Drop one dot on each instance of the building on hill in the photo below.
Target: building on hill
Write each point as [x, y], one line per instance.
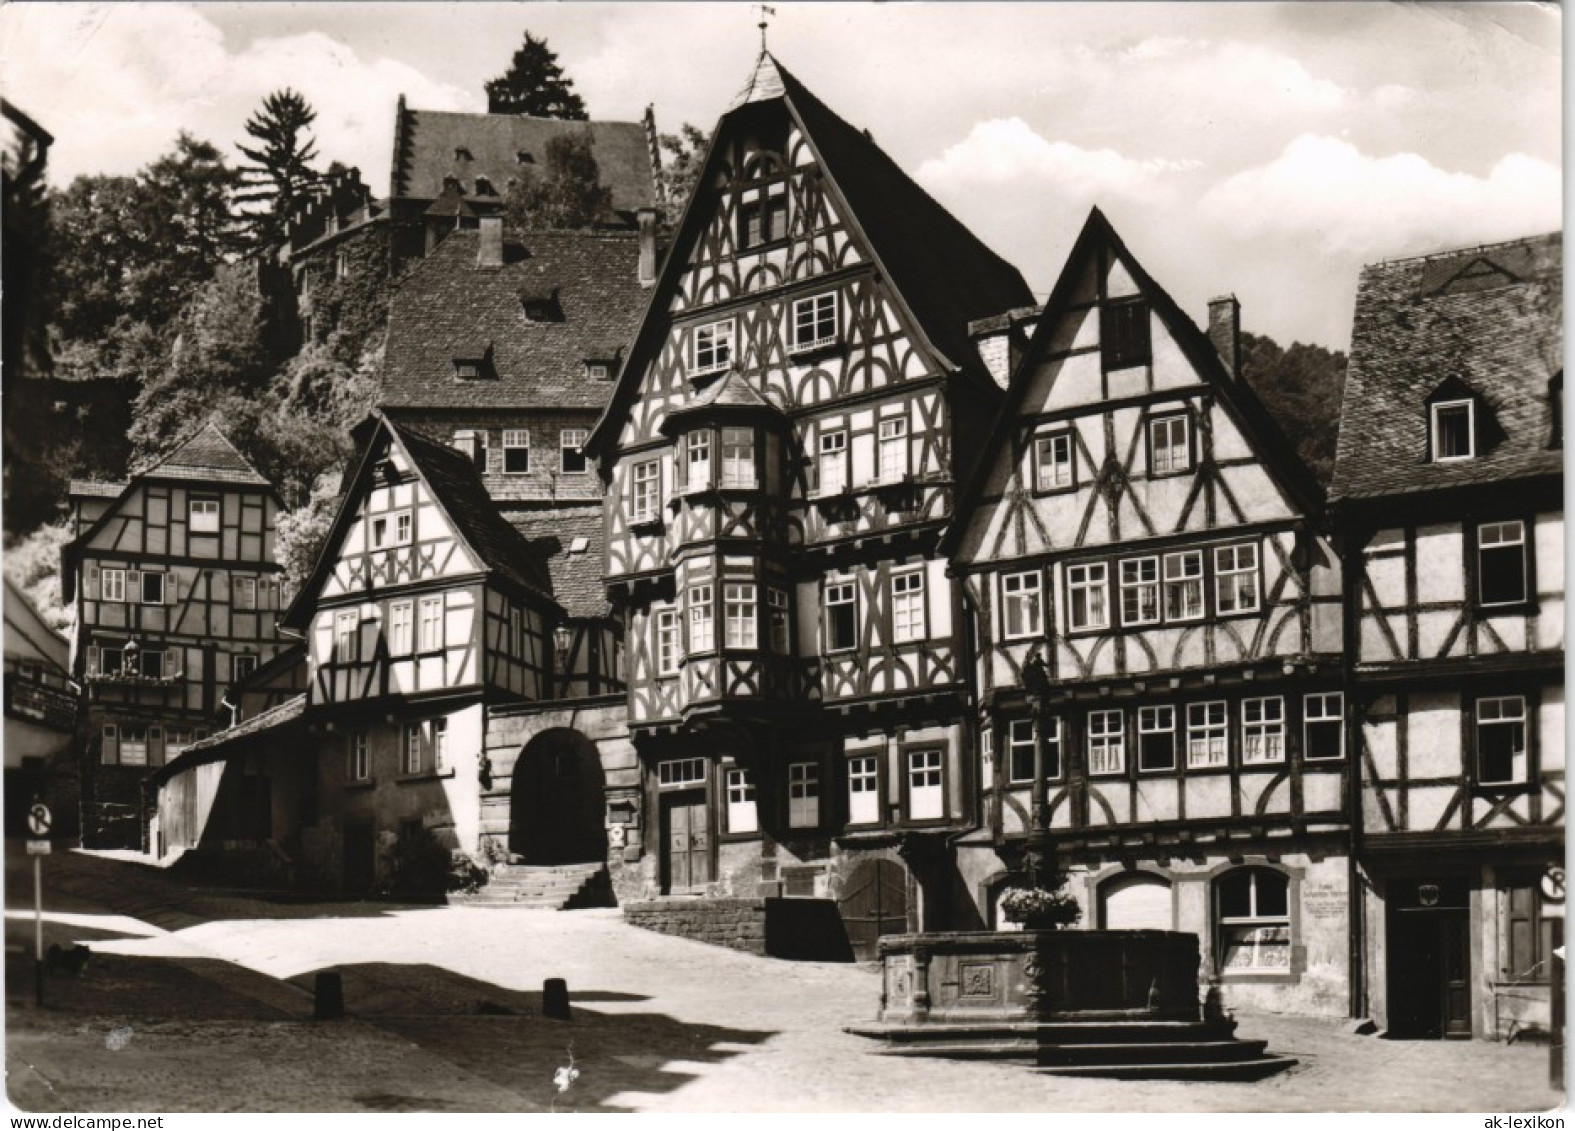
[781, 455]
[1448, 495]
[507, 347]
[175, 590]
[1158, 642]
[41, 720]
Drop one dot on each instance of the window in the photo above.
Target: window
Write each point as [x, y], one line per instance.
[713, 347]
[379, 537]
[152, 588]
[150, 663]
[833, 465]
[697, 460]
[1184, 585]
[111, 660]
[598, 370]
[133, 746]
[741, 814]
[1236, 579]
[175, 742]
[926, 796]
[647, 490]
[1262, 730]
[1454, 430]
[1107, 742]
[474, 444]
[666, 642]
[1020, 750]
[815, 321]
[111, 752]
[1207, 745]
[204, 516]
[243, 666]
[1169, 451]
[571, 460]
[781, 625]
[1123, 333]
[1156, 738]
[803, 795]
[1501, 562]
[439, 745]
[1021, 605]
[404, 527]
[113, 585]
[1054, 469]
[863, 790]
[738, 457]
[740, 614]
[893, 450]
[1323, 726]
[1085, 592]
[347, 634]
[763, 220]
[245, 592]
[1140, 591]
[430, 624]
[907, 607]
[516, 451]
[842, 616]
[681, 772]
[702, 624]
[399, 628]
[360, 761]
[470, 368]
[1254, 921]
[1501, 740]
[412, 764]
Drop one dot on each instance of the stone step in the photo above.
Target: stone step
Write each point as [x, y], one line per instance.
[1031, 1034]
[1158, 1052]
[1226, 1070]
[552, 887]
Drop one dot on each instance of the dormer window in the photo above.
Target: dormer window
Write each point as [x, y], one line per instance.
[484, 187]
[468, 369]
[1454, 430]
[540, 305]
[462, 154]
[524, 157]
[599, 370]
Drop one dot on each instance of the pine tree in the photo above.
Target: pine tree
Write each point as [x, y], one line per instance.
[281, 172]
[535, 85]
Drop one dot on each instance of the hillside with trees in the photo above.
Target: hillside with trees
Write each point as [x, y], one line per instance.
[1301, 386]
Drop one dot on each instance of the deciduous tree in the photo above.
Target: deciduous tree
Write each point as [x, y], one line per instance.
[569, 194]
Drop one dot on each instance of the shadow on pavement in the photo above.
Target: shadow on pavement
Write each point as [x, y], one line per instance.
[502, 1036]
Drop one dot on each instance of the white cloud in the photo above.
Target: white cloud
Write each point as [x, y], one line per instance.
[1007, 151]
[116, 83]
[1325, 190]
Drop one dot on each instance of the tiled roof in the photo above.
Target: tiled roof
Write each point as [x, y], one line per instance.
[1488, 317]
[432, 144]
[207, 454]
[448, 304]
[457, 486]
[576, 576]
[947, 276]
[95, 489]
[233, 740]
[733, 391]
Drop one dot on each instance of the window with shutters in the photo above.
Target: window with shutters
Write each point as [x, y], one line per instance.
[150, 663]
[741, 615]
[113, 585]
[1501, 564]
[133, 745]
[244, 592]
[1021, 605]
[1107, 742]
[152, 588]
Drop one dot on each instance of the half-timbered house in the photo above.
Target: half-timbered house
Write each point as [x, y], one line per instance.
[1448, 485]
[175, 590]
[781, 454]
[1158, 640]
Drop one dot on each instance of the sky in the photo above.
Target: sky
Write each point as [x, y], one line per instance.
[1262, 149]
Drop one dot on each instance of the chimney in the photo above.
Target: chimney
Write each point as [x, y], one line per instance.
[491, 250]
[1225, 332]
[647, 218]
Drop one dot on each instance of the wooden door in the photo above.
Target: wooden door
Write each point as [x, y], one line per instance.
[686, 843]
[1454, 948]
[874, 902]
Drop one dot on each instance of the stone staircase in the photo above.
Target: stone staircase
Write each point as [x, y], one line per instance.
[554, 887]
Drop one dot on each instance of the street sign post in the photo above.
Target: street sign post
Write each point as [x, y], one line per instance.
[39, 822]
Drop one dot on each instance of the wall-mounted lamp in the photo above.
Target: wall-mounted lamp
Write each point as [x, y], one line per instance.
[562, 637]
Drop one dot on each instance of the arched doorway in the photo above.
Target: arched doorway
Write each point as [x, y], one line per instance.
[1137, 901]
[557, 800]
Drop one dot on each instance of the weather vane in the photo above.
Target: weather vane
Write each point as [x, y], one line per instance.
[765, 13]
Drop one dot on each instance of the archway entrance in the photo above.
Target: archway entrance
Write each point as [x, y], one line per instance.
[557, 801]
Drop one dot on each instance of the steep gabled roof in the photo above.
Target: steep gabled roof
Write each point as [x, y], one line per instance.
[448, 303]
[1487, 318]
[457, 488]
[553, 536]
[206, 454]
[431, 145]
[940, 271]
[731, 394]
[1268, 441]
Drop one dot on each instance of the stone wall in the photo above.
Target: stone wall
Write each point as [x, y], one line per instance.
[736, 923]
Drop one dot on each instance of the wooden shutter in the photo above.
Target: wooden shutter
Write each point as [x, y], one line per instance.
[133, 586]
[1522, 932]
[90, 585]
[171, 663]
[92, 658]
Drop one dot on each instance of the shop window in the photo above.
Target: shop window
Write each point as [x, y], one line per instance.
[1253, 921]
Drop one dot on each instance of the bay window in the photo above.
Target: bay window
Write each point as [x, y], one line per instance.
[697, 461]
[738, 457]
[740, 614]
[702, 624]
